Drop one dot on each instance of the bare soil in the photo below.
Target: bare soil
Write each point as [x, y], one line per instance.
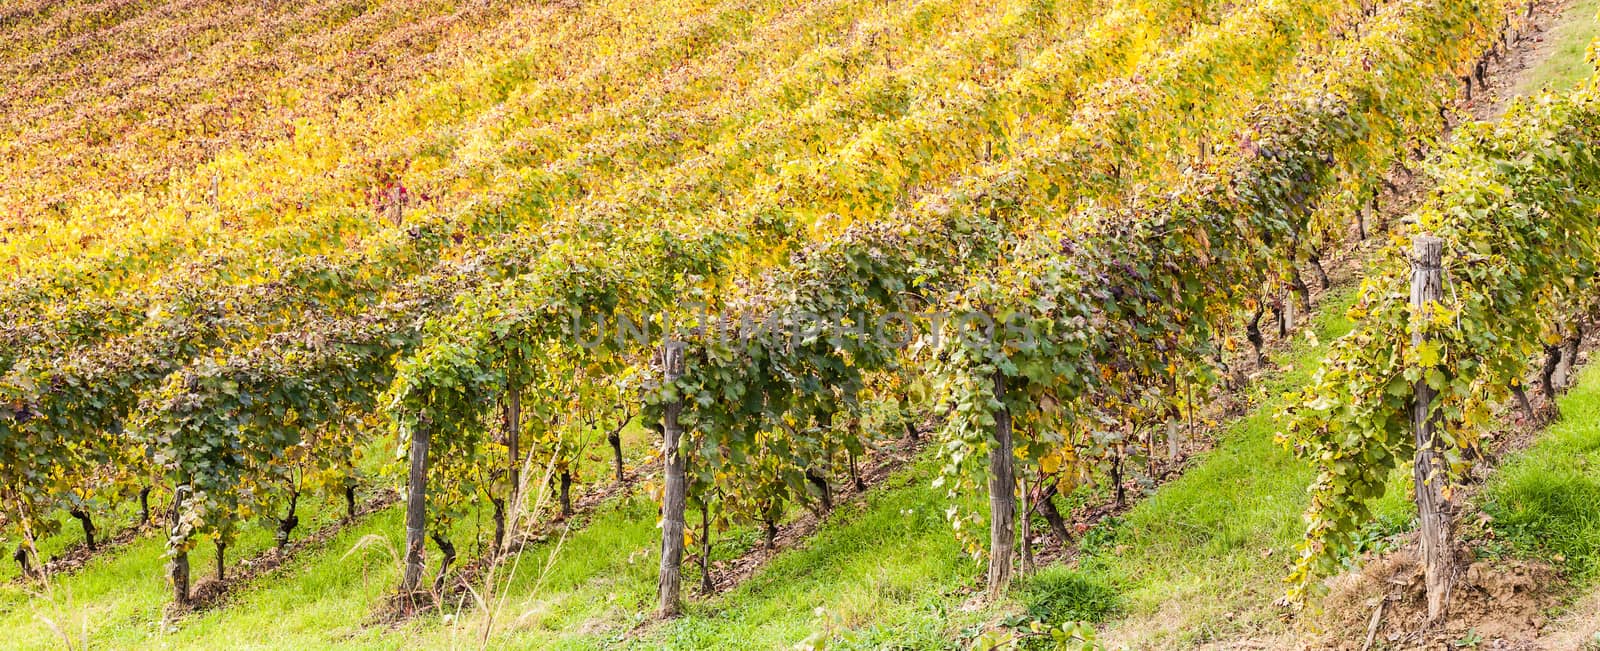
[1495, 605]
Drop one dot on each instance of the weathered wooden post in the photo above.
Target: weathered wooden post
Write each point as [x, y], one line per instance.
[1002, 497]
[178, 567]
[514, 439]
[674, 490]
[513, 425]
[1025, 526]
[1430, 472]
[416, 509]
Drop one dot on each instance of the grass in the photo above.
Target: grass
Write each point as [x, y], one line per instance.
[119, 592]
[121, 595]
[1059, 594]
[1196, 560]
[893, 575]
[1201, 559]
[1543, 500]
[1569, 41]
[883, 572]
[323, 598]
[65, 533]
[1204, 555]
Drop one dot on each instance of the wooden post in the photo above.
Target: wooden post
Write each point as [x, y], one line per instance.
[1430, 473]
[1002, 497]
[1174, 439]
[514, 455]
[221, 559]
[1025, 526]
[706, 587]
[1288, 314]
[178, 567]
[674, 490]
[416, 509]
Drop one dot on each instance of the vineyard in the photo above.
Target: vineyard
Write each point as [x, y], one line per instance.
[705, 324]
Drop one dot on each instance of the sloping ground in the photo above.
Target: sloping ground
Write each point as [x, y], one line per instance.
[882, 571]
[1579, 628]
[889, 573]
[1204, 558]
[885, 570]
[325, 595]
[1533, 534]
[1562, 54]
[1544, 506]
[895, 574]
[127, 629]
[1202, 555]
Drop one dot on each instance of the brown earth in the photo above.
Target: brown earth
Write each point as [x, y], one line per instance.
[1495, 605]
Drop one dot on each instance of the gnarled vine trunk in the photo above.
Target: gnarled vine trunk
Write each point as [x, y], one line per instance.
[1025, 527]
[1052, 516]
[1525, 404]
[448, 553]
[566, 493]
[84, 519]
[1302, 292]
[513, 441]
[1569, 356]
[1116, 478]
[1315, 257]
[21, 557]
[350, 499]
[499, 525]
[1252, 333]
[1547, 384]
[705, 548]
[144, 506]
[615, 440]
[825, 492]
[1280, 313]
[855, 474]
[287, 523]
